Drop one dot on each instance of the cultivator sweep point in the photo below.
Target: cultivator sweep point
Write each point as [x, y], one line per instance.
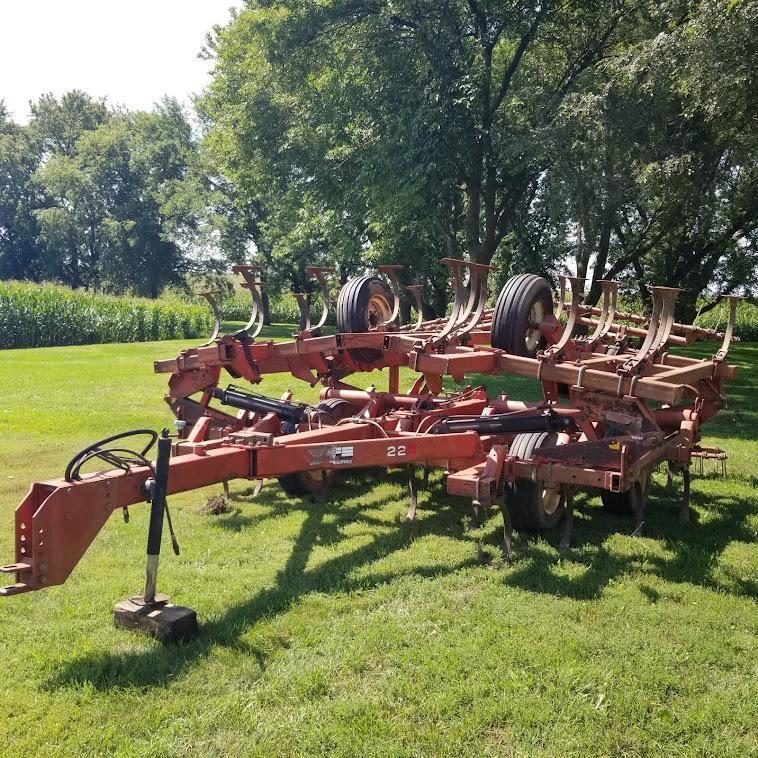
[616, 404]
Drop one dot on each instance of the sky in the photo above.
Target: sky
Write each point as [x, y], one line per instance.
[132, 52]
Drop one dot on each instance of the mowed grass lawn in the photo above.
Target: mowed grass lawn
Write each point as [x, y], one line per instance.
[341, 629]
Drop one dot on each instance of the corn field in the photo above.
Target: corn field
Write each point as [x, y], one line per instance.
[43, 315]
[283, 308]
[745, 327]
[234, 305]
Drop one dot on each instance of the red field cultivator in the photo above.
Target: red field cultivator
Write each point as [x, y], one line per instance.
[616, 404]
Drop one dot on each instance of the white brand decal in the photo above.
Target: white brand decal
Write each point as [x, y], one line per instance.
[338, 455]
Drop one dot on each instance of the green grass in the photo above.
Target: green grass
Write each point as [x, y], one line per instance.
[341, 629]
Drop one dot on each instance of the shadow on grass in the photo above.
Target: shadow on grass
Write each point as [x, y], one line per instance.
[738, 420]
[691, 551]
[161, 664]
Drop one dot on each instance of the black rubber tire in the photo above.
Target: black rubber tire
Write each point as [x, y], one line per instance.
[510, 319]
[300, 483]
[622, 503]
[525, 498]
[353, 314]
[334, 409]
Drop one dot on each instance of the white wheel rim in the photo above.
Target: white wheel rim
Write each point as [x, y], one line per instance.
[533, 335]
[378, 310]
[551, 500]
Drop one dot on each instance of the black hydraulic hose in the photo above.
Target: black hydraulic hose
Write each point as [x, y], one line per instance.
[118, 457]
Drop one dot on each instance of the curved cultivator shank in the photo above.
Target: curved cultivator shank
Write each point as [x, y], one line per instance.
[616, 404]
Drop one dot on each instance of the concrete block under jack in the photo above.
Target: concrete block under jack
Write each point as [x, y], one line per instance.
[161, 619]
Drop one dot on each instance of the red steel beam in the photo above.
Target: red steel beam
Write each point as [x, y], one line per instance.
[460, 450]
[57, 520]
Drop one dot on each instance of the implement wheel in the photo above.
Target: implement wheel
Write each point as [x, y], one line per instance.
[313, 482]
[623, 503]
[533, 508]
[522, 304]
[363, 303]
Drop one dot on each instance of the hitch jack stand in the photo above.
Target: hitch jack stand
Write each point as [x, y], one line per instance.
[152, 613]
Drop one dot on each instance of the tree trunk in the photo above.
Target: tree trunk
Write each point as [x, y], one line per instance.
[266, 307]
[473, 207]
[686, 306]
[601, 259]
[641, 283]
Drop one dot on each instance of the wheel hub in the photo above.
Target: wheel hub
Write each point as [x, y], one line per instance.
[551, 500]
[378, 310]
[533, 335]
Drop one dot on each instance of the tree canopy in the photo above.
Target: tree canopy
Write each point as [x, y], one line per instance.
[616, 139]
[526, 134]
[97, 198]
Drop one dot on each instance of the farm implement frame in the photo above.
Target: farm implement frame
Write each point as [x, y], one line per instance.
[616, 405]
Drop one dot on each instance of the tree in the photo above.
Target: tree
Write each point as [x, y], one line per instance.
[54, 129]
[58, 123]
[519, 133]
[659, 161]
[123, 207]
[19, 251]
[400, 131]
